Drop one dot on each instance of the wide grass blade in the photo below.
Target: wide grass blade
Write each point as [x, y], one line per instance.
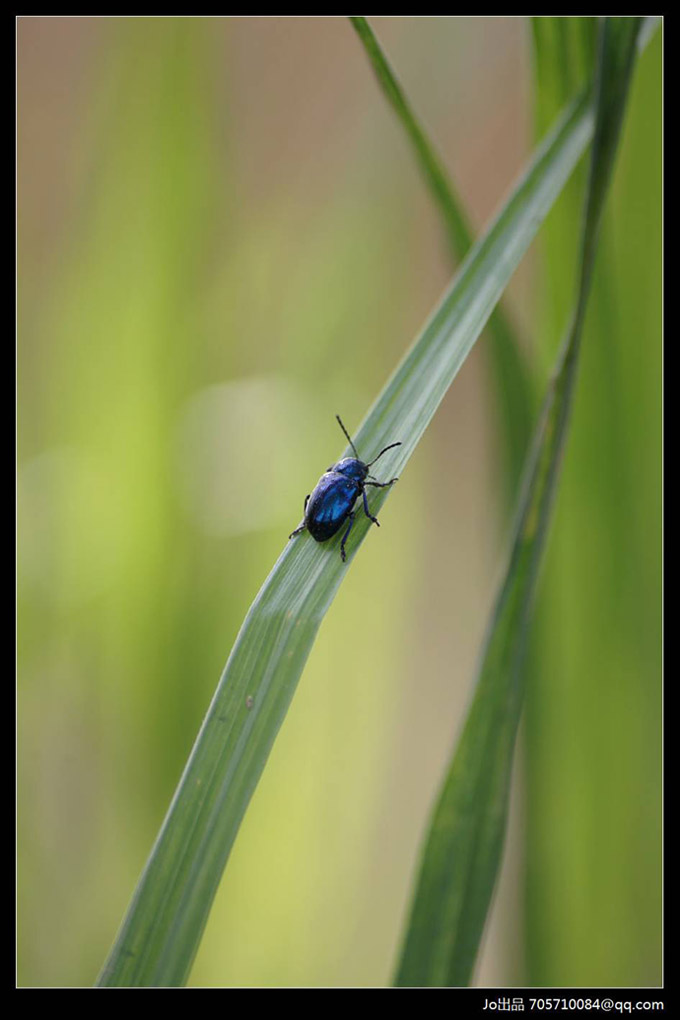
[463, 848]
[161, 932]
[590, 738]
[511, 377]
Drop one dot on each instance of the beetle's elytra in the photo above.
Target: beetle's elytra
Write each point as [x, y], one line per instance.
[332, 501]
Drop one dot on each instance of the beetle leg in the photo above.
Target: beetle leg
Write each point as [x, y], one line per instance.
[344, 537]
[367, 511]
[303, 525]
[382, 485]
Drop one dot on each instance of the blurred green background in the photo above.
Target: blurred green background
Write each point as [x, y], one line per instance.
[223, 241]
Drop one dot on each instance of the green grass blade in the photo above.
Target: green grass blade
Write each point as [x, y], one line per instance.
[564, 53]
[458, 230]
[161, 932]
[463, 849]
[511, 376]
[590, 739]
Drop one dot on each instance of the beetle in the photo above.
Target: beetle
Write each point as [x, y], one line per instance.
[332, 501]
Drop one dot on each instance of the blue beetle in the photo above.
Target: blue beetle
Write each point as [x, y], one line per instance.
[333, 499]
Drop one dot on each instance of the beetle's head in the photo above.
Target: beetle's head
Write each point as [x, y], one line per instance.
[352, 468]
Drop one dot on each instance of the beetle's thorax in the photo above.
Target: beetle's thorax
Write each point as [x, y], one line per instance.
[352, 468]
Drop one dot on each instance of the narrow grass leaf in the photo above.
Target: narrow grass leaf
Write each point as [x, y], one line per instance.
[458, 230]
[463, 848]
[160, 934]
[510, 373]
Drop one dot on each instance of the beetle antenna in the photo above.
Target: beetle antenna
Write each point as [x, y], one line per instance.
[348, 436]
[383, 451]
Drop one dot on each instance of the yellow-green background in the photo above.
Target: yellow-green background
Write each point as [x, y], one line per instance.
[223, 241]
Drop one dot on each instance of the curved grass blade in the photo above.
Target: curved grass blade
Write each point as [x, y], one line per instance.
[610, 495]
[160, 934]
[511, 377]
[463, 849]
[458, 231]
